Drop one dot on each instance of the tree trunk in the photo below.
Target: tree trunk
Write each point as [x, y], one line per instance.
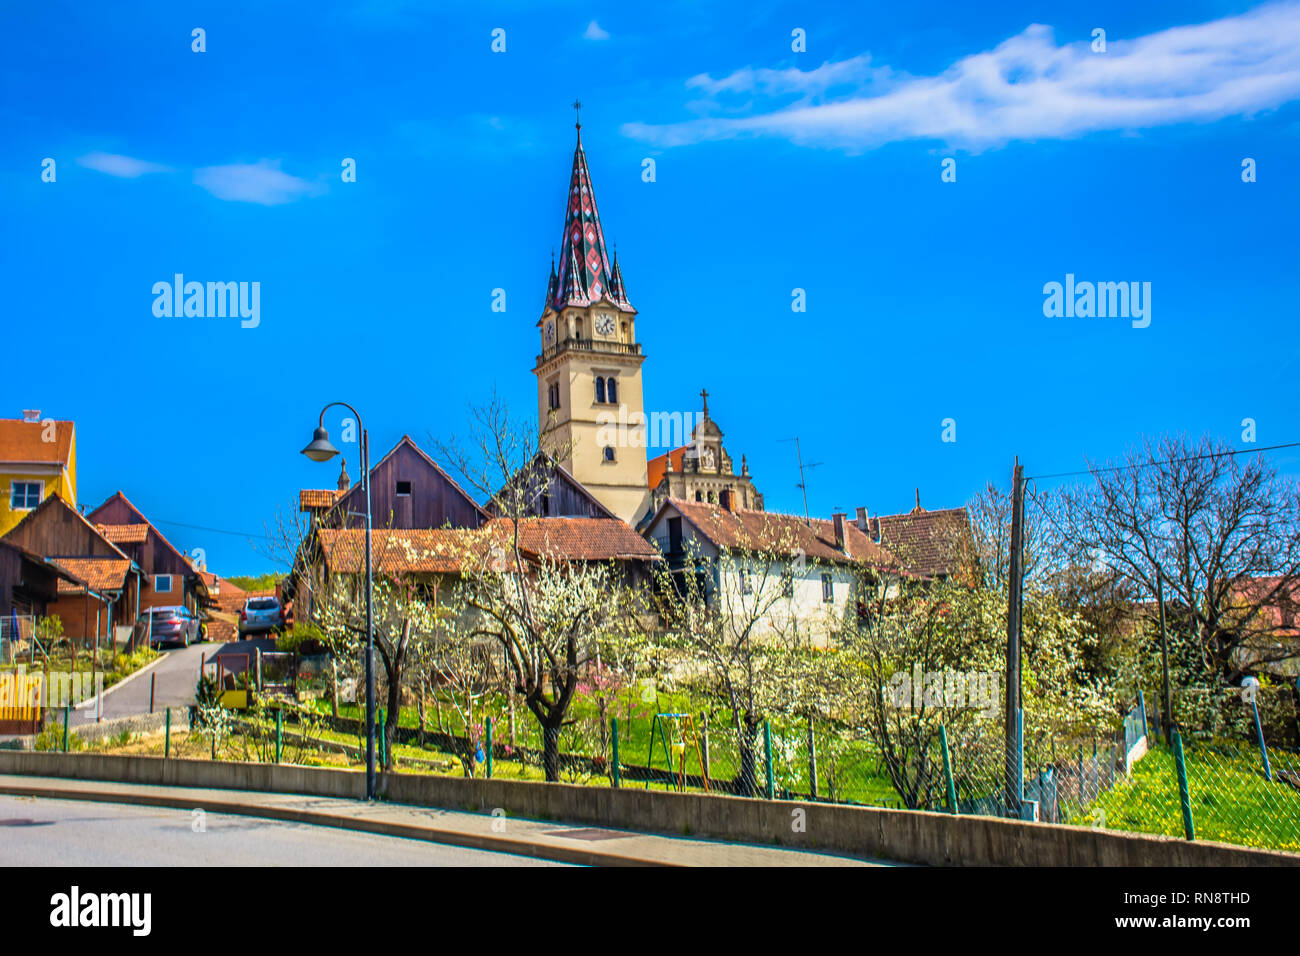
[334, 686]
[551, 752]
[747, 780]
[390, 721]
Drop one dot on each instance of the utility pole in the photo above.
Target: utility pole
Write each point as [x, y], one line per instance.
[1014, 728]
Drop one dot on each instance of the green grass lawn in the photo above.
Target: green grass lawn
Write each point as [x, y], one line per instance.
[849, 770]
[1231, 800]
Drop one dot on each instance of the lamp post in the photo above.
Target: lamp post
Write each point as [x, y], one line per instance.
[321, 449]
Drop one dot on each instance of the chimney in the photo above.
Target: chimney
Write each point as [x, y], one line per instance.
[841, 533]
[32, 415]
[862, 519]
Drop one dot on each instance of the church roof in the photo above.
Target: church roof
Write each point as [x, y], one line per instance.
[657, 467]
[587, 274]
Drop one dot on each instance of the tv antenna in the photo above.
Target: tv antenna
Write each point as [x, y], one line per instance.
[803, 480]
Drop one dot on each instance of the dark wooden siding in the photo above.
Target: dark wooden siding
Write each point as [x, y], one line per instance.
[434, 500]
[55, 530]
[563, 498]
[25, 586]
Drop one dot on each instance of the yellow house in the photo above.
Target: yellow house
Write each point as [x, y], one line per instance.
[38, 458]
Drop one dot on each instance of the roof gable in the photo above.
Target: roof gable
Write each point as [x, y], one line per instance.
[56, 529]
[405, 454]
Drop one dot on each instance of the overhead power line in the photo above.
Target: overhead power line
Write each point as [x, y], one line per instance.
[1167, 461]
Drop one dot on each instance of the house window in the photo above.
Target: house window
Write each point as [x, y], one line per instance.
[611, 391]
[828, 588]
[403, 489]
[745, 586]
[162, 583]
[699, 496]
[600, 389]
[787, 583]
[609, 452]
[553, 395]
[25, 495]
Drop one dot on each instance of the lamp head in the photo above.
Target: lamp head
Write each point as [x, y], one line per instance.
[320, 448]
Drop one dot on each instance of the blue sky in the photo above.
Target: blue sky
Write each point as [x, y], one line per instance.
[775, 170]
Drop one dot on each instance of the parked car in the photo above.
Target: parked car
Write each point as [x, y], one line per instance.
[174, 625]
[260, 615]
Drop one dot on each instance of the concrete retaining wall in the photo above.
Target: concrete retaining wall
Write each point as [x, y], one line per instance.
[910, 836]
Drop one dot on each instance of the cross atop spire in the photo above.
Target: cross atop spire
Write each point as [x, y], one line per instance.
[577, 114]
[704, 394]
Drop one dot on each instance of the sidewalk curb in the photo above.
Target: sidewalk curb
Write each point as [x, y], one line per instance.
[473, 841]
[122, 683]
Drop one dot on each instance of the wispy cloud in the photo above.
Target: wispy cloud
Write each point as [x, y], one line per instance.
[1025, 88]
[124, 167]
[261, 182]
[594, 32]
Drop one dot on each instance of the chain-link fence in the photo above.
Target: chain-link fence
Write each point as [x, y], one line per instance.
[1226, 768]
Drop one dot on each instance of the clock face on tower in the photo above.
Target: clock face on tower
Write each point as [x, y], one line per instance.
[605, 324]
[550, 332]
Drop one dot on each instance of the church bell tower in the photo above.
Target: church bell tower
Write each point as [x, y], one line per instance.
[589, 370]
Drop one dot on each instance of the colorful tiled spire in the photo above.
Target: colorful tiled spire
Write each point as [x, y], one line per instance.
[586, 271]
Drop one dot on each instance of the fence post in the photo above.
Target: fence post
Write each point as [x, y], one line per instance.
[704, 755]
[1189, 827]
[489, 747]
[383, 738]
[153, 679]
[1142, 703]
[767, 743]
[259, 670]
[613, 721]
[812, 758]
[167, 734]
[947, 769]
[1263, 749]
[279, 733]
[67, 713]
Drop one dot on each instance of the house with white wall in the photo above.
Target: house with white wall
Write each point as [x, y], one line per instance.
[800, 577]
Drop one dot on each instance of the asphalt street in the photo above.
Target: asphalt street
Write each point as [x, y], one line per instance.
[173, 679]
[37, 831]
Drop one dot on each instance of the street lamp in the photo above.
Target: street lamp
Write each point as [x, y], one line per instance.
[320, 449]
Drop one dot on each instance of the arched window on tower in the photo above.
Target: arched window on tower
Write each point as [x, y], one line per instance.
[600, 389]
[611, 390]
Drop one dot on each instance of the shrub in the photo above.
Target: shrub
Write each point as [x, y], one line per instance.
[304, 638]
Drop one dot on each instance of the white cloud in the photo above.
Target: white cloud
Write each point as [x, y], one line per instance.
[594, 32]
[261, 182]
[1025, 88]
[124, 167]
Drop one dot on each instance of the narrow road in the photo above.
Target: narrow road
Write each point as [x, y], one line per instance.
[44, 832]
[173, 679]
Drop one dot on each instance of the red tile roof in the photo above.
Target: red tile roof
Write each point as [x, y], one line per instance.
[450, 550]
[926, 542]
[578, 539]
[419, 551]
[310, 499]
[744, 530]
[24, 442]
[124, 533]
[101, 574]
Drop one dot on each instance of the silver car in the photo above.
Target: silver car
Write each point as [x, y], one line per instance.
[173, 625]
[260, 615]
